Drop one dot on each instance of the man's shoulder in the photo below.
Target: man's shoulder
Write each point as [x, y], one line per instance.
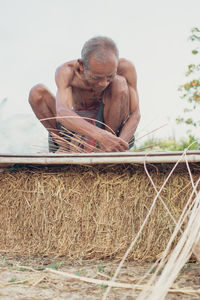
[67, 67]
[125, 65]
[127, 69]
[65, 72]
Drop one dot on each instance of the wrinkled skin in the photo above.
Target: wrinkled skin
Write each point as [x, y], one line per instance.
[113, 82]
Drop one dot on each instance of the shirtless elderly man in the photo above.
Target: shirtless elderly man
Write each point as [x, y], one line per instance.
[99, 82]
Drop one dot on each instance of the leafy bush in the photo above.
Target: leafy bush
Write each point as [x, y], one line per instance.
[170, 144]
[190, 90]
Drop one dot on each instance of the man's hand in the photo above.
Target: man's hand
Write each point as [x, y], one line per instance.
[111, 143]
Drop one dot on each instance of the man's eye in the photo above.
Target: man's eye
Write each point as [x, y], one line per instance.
[111, 76]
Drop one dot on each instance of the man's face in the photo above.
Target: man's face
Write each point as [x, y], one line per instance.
[99, 75]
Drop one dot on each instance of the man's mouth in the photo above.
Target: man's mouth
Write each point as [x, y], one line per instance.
[99, 88]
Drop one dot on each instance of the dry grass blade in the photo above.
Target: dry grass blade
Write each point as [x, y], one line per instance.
[67, 146]
[117, 284]
[158, 193]
[152, 131]
[80, 141]
[73, 142]
[95, 281]
[182, 251]
[141, 228]
[77, 117]
[69, 143]
[178, 257]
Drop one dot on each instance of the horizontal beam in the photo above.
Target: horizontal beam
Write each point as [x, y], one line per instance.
[99, 158]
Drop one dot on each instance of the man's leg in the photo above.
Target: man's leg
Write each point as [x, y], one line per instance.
[44, 106]
[116, 101]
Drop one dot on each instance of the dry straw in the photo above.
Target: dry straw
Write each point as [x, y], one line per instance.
[177, 259]
[158, 288]
[70, 141]
[100, 212]
[179, 256]
[90, 212]
[144, 223]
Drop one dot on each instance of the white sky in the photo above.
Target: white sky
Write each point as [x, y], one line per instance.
[38, 35]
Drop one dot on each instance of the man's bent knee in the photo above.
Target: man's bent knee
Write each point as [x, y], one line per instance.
[36, 93]
[119, 88]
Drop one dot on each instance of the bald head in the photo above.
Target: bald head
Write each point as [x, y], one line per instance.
[100, 48]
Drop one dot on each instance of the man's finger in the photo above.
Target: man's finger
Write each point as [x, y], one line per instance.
[121, 147]
[124, 146]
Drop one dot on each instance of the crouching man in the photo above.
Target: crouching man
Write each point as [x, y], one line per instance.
[96, 98]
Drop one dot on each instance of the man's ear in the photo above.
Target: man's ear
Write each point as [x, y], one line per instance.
[81, 66]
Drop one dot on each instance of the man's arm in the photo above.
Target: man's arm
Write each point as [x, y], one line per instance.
[73, 121]
[65, 114]
[127, 69]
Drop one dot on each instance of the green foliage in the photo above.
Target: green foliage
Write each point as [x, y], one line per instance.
[170, 144]
[55, 266]
[100, 268]
[3, 262]
[190, 91]
[13, 279]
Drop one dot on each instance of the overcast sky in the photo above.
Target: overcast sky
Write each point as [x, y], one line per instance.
[39, 35]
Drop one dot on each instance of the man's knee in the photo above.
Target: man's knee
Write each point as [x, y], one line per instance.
[120, 89]
[36, 94]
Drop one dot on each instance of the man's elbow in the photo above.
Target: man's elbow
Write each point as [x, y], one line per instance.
[59, 111]
[62, 111]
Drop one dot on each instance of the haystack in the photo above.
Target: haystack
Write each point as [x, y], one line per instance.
[84, 212]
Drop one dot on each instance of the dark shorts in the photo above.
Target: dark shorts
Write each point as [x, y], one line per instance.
[53, 146]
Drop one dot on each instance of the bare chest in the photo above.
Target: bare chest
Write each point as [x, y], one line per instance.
[85, 99]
